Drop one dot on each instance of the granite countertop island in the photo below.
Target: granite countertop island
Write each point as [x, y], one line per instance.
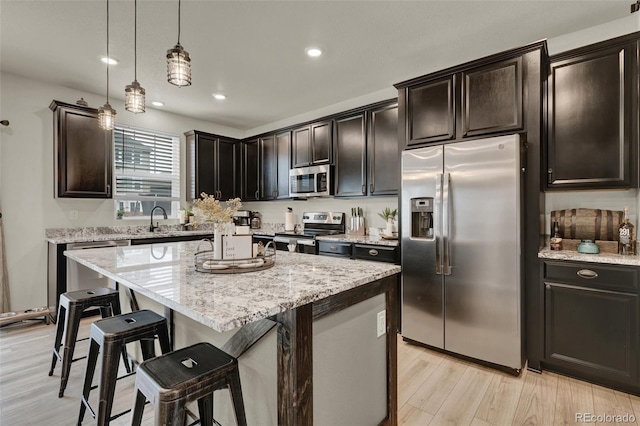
[166, 273]
[325, 362]
[608, 258]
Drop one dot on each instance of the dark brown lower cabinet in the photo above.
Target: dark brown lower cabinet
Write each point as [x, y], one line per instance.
[591, 323]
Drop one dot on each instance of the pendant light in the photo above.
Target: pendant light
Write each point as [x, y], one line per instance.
[106, 114]
[178, 62]
[134, 94]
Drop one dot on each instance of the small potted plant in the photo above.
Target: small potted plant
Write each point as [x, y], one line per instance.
[389, 215]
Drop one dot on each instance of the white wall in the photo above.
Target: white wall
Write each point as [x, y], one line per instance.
[606, 31]
[26, 177]
[381, 95]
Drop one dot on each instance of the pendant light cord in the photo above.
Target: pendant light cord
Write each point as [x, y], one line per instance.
[108, 57]
[135, 40]
[179, 7]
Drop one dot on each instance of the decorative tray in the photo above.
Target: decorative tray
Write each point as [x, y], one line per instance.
[205, 262]
[388, 237]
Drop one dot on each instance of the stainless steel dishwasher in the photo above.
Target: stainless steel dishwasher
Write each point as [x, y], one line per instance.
[79, 277]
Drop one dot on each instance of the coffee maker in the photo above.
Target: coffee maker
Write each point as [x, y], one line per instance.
[242, 218]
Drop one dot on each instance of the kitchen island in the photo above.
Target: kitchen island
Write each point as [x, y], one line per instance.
[323, 363]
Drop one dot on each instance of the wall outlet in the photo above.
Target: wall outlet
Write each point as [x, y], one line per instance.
[382, 323]
[73, 214]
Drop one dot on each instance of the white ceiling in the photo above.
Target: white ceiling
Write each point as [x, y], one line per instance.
[253, 51]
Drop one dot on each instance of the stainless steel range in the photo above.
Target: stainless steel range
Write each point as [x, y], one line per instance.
[315, 224]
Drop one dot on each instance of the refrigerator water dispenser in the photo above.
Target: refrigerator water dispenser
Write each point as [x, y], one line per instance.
[422, 217]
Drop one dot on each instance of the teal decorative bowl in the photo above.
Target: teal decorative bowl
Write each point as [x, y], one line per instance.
[588, 246]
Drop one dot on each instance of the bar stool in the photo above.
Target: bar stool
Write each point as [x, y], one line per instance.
[173, 380]
[70, 309]
[108, 337]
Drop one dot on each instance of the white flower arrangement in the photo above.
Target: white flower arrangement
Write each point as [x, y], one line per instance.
[208, 209]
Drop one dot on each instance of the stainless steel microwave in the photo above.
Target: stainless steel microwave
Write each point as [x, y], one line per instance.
[311, 181]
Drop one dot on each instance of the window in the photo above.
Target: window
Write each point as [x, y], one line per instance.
[147, 172]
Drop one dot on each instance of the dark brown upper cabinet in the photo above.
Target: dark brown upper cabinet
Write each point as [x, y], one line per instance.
[431, 111]
[321, 142]
[83, 153]
[250, 170]
[366, 151]
[312, 144]
[383, 150]
[480, 98]
[492, 98]
[351, 155]
[211, 166]
[593, 117]
[301, 147]
[269, 168]
[283, 145]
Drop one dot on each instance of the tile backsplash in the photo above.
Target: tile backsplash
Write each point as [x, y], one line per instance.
[604, 199]
[273, 211]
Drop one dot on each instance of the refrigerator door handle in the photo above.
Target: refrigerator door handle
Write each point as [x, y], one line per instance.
[437, 229]
[446, 223]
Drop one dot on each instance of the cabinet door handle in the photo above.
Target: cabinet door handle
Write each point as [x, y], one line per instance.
[257, 195]
[587, 273]
[550, 175]
[364, 189]
[108, 190]
[333, 248]
[371, 188]
[547, 286]
[373, 252]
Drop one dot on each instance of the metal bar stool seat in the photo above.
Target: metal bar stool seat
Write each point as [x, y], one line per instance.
[173, 380]
[72, 305]
[108, 337]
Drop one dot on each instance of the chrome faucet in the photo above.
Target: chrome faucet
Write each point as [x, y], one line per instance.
[153, 228]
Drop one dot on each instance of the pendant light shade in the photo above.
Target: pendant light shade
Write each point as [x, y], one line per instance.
[178, 62]
[134, 98]
[134, 94]
[106, 114]
[178, 66]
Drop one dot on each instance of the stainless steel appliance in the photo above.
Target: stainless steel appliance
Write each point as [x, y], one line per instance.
[315, 223]
[242, 218]
[461, 248]
[312, 181]
[256, 223]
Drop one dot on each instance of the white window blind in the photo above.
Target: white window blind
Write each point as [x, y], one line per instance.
[147, 171]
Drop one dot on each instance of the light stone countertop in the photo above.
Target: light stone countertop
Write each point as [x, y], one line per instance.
[166, 273]
[614, 259]
[359, 239]
[136, 232]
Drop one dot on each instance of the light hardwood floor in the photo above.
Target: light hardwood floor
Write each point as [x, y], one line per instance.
[434, 389]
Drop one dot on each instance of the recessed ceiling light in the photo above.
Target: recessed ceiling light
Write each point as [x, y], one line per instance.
[313, 52]
[110, 61]
[219, 96]
[157, 103]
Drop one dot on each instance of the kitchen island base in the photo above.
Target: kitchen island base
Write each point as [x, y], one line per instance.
[348, 377]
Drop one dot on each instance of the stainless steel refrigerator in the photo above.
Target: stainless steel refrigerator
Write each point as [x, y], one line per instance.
[461, 251]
